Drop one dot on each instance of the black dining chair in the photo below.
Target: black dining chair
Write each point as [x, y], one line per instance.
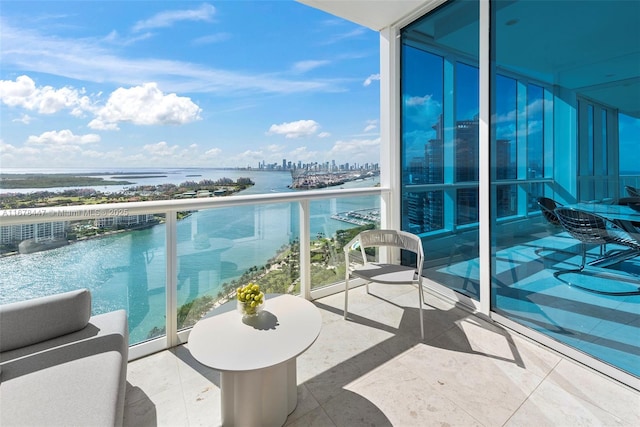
[548, 207]
[586, 227]
[632, 191]
[626, 201]
[633, 203]
[589, 228]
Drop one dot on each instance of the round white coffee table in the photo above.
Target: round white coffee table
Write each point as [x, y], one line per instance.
[256, 357]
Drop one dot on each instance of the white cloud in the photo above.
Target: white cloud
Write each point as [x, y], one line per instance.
[275, 148]
[100, 125]
[25, 119]
[51, 149]
[12, 150]
[115, 38]
[411, 101]
[371, 125]
[145, 105]
[514, 121]
[371, 79]
[414, 142]
[348, 35]
[46, 100]
[248, 158]
[422, 109]
[167, 154]
[92, 60]
[168, 18]
[251, 153]
[12, 155]
[324, 135]
[304, 155]
[295, 129]
[355, 150]
[304, 66]
[212, 38]
[161, 149]
[159, 154]
[63, 138]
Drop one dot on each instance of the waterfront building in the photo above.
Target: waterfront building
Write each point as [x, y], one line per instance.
[10, 234]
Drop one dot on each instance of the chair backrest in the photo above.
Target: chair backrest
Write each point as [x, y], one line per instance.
[388, 238]
[626, 201]
[584, 226]
[548, 207]
[632, 191]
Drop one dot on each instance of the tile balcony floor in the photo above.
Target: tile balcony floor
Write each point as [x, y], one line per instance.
[373, 370]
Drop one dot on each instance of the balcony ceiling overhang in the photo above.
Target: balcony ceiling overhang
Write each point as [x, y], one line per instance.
[373, 14]
[607, 74]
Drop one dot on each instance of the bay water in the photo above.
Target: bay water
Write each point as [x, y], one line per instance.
[128, 270]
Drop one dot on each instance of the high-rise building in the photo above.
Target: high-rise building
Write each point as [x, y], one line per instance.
[39, 231]
[466, 150]
[434, 155]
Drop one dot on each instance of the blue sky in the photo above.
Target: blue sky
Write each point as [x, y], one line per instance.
[184, 84]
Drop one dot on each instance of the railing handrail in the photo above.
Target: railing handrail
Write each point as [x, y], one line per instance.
[105, 210]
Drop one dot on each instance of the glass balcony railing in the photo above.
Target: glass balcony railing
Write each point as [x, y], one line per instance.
[168, 262]
[334, 222]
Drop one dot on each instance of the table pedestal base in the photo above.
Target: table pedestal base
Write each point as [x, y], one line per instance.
[262, 397]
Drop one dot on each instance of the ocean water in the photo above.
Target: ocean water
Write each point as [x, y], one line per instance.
[128, 270]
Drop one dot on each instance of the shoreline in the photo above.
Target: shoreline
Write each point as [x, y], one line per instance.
[93, 236]
[9, 181]
[91, 196]
[312, 181]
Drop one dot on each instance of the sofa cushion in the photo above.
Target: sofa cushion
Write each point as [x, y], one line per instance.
[77, 379]
[71, 391]
[28, 322]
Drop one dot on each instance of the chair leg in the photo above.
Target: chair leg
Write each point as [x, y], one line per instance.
[421, 315]
[583, 255]
[346, 294]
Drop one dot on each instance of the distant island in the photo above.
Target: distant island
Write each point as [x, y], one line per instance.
[37, 180]
[80, 196]
[140, 176]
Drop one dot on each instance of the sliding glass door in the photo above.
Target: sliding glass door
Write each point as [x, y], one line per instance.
[564, 126]
[558, 95]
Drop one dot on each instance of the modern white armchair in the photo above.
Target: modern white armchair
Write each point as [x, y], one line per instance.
[385, 273]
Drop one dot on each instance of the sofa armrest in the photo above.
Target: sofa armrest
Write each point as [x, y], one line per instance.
[28, 322]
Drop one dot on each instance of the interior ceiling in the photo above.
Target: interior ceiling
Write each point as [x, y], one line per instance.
[591, 47]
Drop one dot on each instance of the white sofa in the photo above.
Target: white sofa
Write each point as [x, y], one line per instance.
[59, 365]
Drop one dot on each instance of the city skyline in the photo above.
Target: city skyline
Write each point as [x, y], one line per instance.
[184, 84]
